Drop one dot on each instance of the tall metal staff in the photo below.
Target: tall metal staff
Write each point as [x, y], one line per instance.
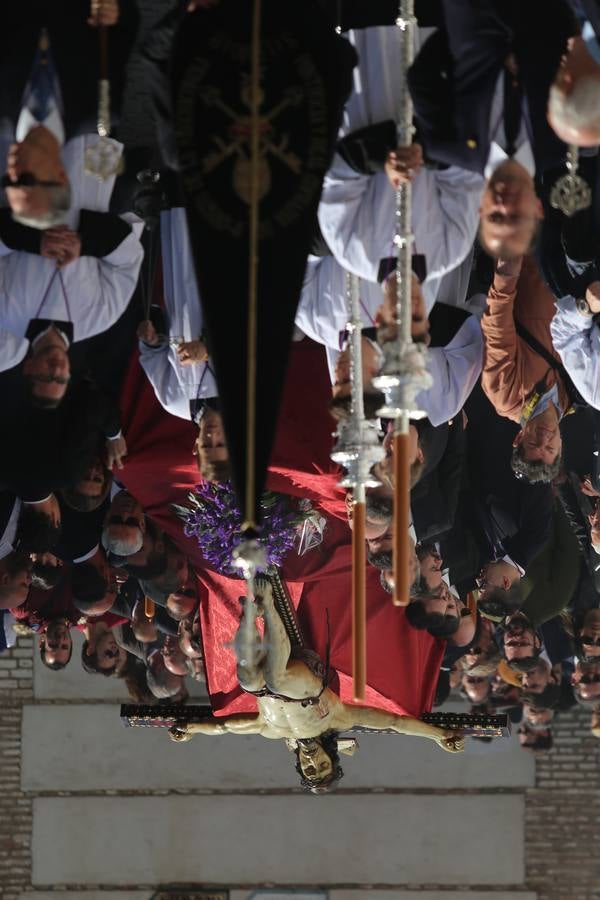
[404, 371]
[103, 159]
[357, 449]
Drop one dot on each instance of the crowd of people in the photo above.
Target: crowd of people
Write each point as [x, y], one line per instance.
[99, 298]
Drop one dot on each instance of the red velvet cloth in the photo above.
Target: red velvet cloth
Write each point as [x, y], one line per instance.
[403, 664]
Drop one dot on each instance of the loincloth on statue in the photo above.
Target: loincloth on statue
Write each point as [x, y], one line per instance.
[313, 661]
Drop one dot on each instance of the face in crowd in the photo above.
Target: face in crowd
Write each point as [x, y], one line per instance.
[210, 448]
[476, 687]
[594, 520]
[386, 313]
[540, 439]
[124, 526]
[15, 580]
[510, 212]
[574, 99]
[377, 517]
[536, 680]
[586, 681]
[431, 566]
[56, 644]
[520, 640]
[35, 170]
[589, 634]
[371, 364]
[109, 656]
[388, 573]
[47, 368]
[94, 479]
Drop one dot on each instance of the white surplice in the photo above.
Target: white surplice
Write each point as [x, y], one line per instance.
[175, 385]
[357, 212]
[97, 290]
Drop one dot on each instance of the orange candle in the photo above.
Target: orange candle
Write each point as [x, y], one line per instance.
[149, 607]
[400, 545]
[359, 603]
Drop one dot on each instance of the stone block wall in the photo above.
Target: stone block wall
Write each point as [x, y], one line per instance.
[16, 688]
[562, 810]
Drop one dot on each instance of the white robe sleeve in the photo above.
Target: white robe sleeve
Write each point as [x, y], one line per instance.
[322, 310]
[576, 339]
[357, 218]
[455, 369]
[348, 205]
[13, 349]
[109, 283]
[158, 365]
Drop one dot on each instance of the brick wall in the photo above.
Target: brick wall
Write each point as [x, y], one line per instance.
[563, 814]
[16, 688]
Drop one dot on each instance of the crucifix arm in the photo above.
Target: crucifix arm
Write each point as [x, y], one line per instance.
[241, 724]
[379, 720]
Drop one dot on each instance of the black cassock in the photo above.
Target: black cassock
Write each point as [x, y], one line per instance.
[305, 79]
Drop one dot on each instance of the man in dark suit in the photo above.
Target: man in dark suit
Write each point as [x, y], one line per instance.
[480, 89]
[71, 436]
[501, 523]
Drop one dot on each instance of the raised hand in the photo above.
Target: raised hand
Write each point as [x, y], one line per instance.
[61, 244]
[403, 164]
[146, 332]
[191, 352]
[116, 449]
[103, 12]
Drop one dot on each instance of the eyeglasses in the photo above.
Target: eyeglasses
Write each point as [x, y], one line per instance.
[589, 679]
[590, 642]
[27, 180]
[475, 679]
[131, 521]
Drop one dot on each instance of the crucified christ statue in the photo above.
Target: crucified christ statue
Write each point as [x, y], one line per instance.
[294, 702]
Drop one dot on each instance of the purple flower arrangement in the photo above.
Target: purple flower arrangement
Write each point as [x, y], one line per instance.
[216, 522]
